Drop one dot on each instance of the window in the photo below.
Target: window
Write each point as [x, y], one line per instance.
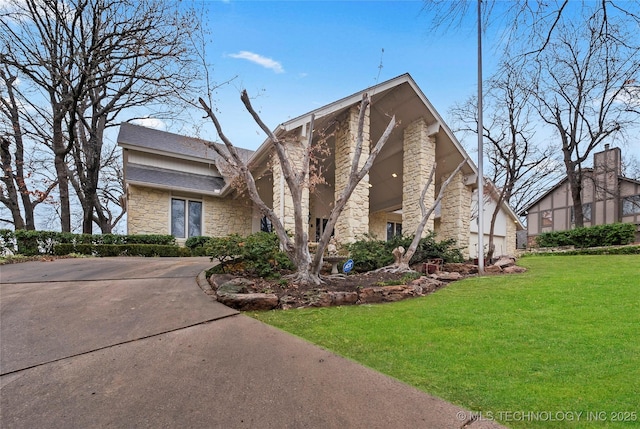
[321, 224]
[547, 218]
[186, 218]
[393, 229]
[631, 205]
[586, 213]
[266, 225]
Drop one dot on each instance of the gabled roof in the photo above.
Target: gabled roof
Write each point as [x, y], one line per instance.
[150, 140]
[399, 96]
[561, 182]
[173, 180]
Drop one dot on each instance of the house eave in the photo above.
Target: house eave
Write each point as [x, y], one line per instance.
[213, 193]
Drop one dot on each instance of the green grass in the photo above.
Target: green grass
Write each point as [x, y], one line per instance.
[562, 338]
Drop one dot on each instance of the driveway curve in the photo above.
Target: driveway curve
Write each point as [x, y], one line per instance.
[134, 342]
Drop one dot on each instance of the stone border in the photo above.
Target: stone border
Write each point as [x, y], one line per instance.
[231, 290]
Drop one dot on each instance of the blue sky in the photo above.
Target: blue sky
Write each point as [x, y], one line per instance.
[295, 56]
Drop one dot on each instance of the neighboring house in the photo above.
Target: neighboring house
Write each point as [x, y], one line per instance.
[607, 197]
[176, 184]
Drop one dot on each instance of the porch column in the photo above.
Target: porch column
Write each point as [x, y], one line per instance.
[455, 213]
[419, 154]
[282, 200]
[354, 220]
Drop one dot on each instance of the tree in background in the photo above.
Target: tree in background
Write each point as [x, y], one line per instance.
[582, 67]
[90, 60]
[25, 184]
[521, 164]
[579, 84]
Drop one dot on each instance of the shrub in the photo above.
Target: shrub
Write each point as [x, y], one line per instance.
[7, 242]
[262, 256]
[593, 236]
[197, 245]
[224, 249]
[196, 241]
[105, 250]
[259, 253]
[370, 254]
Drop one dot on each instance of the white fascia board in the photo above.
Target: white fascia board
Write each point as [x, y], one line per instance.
[173, 188]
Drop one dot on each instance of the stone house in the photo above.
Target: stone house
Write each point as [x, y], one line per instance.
[176, 185]
[607, 197]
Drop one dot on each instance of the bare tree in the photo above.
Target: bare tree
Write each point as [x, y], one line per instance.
[579, 87]
[519, 163]
[35, 46]
[297, 179]
[582, 63]
[19, 191]
[95, 59]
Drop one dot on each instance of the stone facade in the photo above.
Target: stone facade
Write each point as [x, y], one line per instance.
[148, 210]
[454, 213]
[511, 237]
[222, 217]
[418, 159]
[354, 220]
[282, 200]
[378, 225]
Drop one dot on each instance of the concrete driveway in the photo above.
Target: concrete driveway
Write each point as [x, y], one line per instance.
[134, 342]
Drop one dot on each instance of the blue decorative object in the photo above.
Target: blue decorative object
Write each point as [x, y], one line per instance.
[348, 266]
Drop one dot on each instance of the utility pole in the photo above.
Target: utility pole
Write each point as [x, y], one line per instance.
[480, 150]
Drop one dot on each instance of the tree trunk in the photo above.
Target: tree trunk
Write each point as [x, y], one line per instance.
[60, 153]
[11, 200]
[575, 185]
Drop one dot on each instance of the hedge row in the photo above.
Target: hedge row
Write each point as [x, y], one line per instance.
[594, 236]
[149, 250]
[32, 243]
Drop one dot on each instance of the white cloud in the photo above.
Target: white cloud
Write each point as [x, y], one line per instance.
[260, 60]
[154, 123]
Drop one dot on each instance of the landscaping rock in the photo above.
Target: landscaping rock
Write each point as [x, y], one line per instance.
[514, 269]
[249, 301]
[330, 299]
[504, 262]
[493, 269]
[237, 285]
[370, 295]
[446, 276]
[464, 269]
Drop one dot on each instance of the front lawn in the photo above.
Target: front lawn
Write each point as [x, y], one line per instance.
[556, 347]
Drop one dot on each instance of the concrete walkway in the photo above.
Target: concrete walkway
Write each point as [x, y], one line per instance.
[133, 342]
